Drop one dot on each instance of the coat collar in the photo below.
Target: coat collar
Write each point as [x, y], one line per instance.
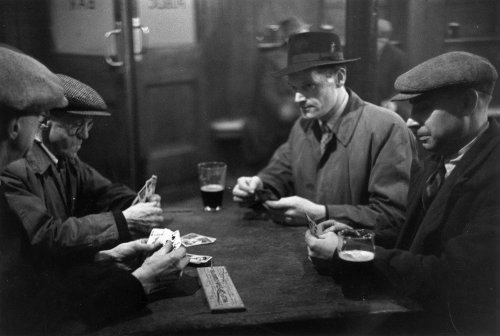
[40, 158]
[474, 157]
[347, 122]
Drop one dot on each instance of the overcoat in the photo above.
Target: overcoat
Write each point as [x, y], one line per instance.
[73, 221]
[364, 174]
[449, 257]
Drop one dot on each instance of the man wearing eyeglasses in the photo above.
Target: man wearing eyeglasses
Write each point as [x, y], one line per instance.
[66, 206]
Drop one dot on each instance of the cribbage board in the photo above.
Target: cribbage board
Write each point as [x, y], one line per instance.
[219, 289]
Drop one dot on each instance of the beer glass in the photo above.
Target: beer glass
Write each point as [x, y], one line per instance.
[212, 176]
[356, 252]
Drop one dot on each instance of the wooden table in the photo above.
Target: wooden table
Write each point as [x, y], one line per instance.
[268, 264]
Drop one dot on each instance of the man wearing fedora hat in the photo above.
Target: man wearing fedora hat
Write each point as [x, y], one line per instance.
[66, 205]
[345, 159]
[447, 254]
[38, 299]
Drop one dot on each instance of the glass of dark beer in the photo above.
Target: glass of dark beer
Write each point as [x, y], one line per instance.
[356, 252]
[212, 176]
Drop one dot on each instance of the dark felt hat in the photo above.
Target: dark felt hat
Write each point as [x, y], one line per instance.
[456, 68]
[26, 85]
[313, 49]
[82, 99]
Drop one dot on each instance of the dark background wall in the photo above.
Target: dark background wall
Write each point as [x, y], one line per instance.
[214, 79]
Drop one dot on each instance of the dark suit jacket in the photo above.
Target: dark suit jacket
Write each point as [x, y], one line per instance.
[449, 257]
[36, 297]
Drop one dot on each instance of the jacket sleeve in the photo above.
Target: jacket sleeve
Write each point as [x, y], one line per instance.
[392, 154]
[68, 238]
[463, 279]
[101, 294]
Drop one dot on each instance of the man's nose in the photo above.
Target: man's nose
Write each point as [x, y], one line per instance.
[411, 123]
[84, 132]
[299, 97]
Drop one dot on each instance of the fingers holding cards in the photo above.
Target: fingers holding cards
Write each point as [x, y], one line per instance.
[146, 191]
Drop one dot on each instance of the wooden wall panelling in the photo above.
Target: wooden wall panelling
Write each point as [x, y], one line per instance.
[361, 42]
[172, 123]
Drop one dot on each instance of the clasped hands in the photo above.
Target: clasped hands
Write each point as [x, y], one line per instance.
[292, 208]
[153, 265]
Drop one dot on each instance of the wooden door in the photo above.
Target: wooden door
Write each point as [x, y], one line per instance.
[162, 132]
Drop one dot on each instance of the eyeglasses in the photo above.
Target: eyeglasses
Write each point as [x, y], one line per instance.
[74, 128]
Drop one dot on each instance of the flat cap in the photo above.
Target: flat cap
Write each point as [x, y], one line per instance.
[82, 99]
[26, 85]
[456, 68]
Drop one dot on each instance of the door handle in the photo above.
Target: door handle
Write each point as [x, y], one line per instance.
[140, 40]
[111, 54]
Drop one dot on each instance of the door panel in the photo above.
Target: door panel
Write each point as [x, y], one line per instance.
[170, 136]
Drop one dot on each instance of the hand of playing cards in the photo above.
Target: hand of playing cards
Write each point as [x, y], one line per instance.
[163, 236]
[313, 226]
[190, 239]
[146, 191]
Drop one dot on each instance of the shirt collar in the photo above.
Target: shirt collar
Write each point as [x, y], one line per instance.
[453, 160]
[331, 123]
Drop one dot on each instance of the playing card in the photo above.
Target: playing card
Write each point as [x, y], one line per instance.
[156, 235]
[164, 235]
[192, 239]
[176, 239]
[263, 195]
[198, 259]
[147, 190]
[313, 227]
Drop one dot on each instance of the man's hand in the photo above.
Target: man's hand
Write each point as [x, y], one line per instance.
[244, 190]
[154, 198]
[161, 268]
[322, 247]
[332, 225]
[143, 216]
[294, 208]
[127, 256]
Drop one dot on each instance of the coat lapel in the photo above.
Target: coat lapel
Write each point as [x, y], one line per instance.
[432, 222]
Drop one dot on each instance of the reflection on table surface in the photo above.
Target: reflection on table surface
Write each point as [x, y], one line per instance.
[268, 265]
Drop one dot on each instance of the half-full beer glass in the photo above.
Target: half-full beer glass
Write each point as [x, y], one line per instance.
[212, 176]
[356, 252]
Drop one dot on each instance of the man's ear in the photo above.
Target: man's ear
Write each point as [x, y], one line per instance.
[13, 129]
[341, 76]
[471, 101]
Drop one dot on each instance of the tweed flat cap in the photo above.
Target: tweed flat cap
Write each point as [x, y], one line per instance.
[82, 99]
[26, 85]
[456, 68]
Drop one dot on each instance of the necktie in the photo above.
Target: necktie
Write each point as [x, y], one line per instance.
[433, 184]
[326, 136]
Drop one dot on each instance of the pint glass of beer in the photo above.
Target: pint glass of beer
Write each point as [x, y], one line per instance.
[212, 176]
[356, 252]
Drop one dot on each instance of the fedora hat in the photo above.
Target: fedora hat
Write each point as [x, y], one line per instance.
[313, 49]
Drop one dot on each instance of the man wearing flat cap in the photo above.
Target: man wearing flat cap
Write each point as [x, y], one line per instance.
[38, 299]
[345, 160]
[447, 255]
[65, 205]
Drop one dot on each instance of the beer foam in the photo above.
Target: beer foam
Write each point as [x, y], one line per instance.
[356, 255]
[212, 188]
